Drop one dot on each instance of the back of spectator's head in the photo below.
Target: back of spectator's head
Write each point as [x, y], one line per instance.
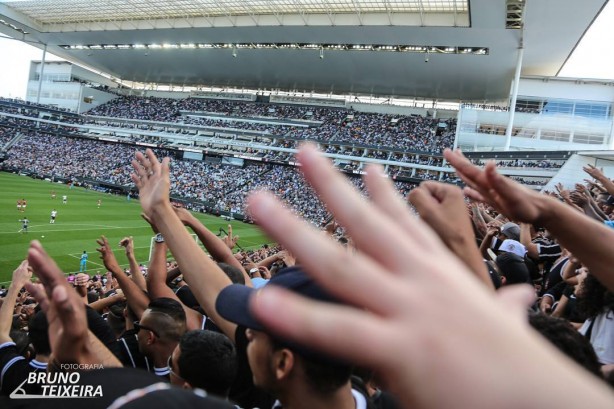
[166, 317]
[92, 296]
[205, 360]
[511, 231]
[116, 319]
[513, 268]
[22, 343]
[235, 275]
[38, 331]
[186, 296]
[568, 340]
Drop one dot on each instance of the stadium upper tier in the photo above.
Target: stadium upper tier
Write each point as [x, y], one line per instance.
[169, 124]
[408, 133]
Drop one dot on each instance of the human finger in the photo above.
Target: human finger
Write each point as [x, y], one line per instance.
[315, 250]
[71, 311]
[38, 292]
[376, 234]
[475, 195]
[152, 160]
[467, 171]
[341, 331]
[44, 267]
[139, 166]
[386, 199]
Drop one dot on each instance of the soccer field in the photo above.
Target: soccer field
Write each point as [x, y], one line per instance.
[79, 223]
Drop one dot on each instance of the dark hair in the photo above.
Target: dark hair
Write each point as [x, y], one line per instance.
[594, 298]
[92, 296]
[38, 331]
[173, 309]
[168, 306]
[323, 375]
[208, 360]
[116, 319]
[235, 275]
[568, 340]
[22, 342]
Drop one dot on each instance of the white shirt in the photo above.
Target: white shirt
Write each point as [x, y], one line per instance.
[54, 213]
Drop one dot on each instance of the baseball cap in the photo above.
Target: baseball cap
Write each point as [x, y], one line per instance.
[511, 231]
[513, 268]
[513, 246]
[233, 304]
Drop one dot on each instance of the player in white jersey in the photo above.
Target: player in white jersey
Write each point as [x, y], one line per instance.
[54, 213]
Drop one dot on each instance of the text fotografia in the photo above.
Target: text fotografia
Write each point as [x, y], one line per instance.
[57, 385]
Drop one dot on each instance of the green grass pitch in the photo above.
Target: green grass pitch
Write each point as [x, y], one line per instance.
[79, 223]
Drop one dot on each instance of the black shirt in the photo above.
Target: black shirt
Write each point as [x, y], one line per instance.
[14, 369]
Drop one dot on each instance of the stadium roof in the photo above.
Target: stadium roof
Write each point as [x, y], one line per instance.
[446, 50]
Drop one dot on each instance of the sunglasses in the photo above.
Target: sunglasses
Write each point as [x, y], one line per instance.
[138, 327]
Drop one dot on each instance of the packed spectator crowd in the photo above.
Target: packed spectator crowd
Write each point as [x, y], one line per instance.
[357, 315]
[523, 163]
[223, 187]
[413, 132]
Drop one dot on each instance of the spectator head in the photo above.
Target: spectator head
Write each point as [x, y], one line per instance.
[235, 275]
[278, 365]
[514, 247]
[38, 331]
[513, 269]
[161, 326]
[568, 340]
[186, 296]
[511, 231]
[205, 360]
[116, 318]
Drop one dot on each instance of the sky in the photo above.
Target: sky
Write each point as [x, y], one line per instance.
[593, 58]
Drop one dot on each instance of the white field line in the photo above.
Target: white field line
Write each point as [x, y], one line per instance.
[90, 227]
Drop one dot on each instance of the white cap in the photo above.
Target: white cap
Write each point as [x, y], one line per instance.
[513, 246]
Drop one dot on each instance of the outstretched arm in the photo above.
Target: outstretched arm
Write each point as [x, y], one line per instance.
[21, 276]
[404, 262]
[205, 278]
[572, 229]
[135, 297]
[156, 285]
[220, 249]
[69, 337]
[137, 274]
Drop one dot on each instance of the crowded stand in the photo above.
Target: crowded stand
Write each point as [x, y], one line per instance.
[413, 133]
[223, 187]
[526, 266]
[523, 163]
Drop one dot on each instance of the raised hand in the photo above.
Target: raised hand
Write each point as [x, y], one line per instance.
[443, 208]
[64, 309]
[184, 215]
[128, 244]
[593, 171]
[397, 319]
[152, 179]
[22, 275]
[507, 196]
[106, 254]
[230, 240]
